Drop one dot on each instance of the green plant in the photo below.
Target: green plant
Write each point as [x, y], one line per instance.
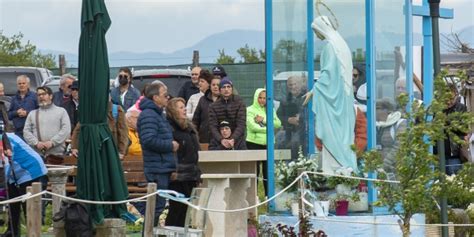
[345, 197]
[414, 163]
[305, 229]
[286, 173]
[460, 187]
[333, 181]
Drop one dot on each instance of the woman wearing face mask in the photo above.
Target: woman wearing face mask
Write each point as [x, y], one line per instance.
[125, 94]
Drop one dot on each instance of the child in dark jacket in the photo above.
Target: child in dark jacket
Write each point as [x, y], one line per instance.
[226, 133]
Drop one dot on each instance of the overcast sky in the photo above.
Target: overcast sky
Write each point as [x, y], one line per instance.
[169, 25]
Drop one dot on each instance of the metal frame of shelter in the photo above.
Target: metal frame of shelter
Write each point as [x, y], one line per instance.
[410, 11]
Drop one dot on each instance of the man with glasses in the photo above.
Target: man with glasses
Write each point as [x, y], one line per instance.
[190, 88]
[63, 95]
[156, 139]
[125, 94]
[359, 81]
[48, 127]
[22, 103]
[72, 105]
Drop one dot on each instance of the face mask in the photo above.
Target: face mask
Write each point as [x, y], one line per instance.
[123, 81]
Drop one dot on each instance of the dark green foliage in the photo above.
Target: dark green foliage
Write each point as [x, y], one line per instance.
[14, 53]
[416, 167]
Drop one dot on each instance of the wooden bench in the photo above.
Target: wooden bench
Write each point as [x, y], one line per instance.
[133, 172]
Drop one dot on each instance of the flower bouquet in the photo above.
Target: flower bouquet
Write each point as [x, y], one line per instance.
[343, 185]
[287, 172]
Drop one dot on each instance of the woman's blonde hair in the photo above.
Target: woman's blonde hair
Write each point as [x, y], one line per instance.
[172, 112]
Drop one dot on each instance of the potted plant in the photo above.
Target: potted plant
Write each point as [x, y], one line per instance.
[341, 184]
[341, 203]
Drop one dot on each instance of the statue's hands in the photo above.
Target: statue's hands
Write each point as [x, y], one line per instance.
[307, 97]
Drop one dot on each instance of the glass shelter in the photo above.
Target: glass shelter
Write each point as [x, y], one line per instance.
[379, 36]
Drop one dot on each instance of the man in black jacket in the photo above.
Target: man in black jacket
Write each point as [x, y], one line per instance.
[190, 87]
[230, 108]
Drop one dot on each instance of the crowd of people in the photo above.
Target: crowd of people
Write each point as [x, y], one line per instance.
[168, 132]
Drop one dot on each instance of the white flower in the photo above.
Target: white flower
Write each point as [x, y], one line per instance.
[470, 207]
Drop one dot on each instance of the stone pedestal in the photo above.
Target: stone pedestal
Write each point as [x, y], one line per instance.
[110, 228]
[238, 162]
[58, 179]
[113, 227]
[58, 229]
[230, 192]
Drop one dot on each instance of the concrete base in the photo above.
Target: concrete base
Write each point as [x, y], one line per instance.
[58, 229]
[111, 227]
[340, 229]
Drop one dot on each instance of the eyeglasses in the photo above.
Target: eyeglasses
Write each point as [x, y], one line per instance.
[41, 94]
[123, 76]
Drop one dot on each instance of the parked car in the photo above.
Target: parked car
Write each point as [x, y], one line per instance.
[173, 78]
[52, 82]
[8, 77]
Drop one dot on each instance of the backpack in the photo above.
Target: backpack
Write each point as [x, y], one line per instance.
[76, 219]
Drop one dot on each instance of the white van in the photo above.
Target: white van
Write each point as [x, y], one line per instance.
[37, 76]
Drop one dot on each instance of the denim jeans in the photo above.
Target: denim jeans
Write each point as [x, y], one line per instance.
[162, 181]
[453, 165]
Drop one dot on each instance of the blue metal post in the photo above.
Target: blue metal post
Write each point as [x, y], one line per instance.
[428, 86]
[310, 61]
[371, 80]
[409, 51]
[269, 87]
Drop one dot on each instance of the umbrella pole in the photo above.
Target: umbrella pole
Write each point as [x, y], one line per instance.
[434, 13]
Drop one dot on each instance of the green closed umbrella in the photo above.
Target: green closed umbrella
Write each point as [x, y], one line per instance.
[100, 175]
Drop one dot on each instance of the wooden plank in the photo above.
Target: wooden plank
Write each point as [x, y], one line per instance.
[135, 177]
[150, 211]
[33, 210]
[132, 165]
[70, 160]
[132, 158]
[204, 146]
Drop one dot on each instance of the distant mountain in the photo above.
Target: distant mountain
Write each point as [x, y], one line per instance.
[232, 40]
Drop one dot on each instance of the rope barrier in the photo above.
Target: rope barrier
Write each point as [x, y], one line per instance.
[180, 198]
[354, 177]
[111, 202]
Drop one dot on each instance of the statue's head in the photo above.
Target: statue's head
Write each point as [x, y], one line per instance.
[322, 27]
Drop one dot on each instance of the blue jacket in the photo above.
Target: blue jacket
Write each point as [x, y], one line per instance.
[131, 97]
[27, 164]
[156, 139]
[29, 103]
